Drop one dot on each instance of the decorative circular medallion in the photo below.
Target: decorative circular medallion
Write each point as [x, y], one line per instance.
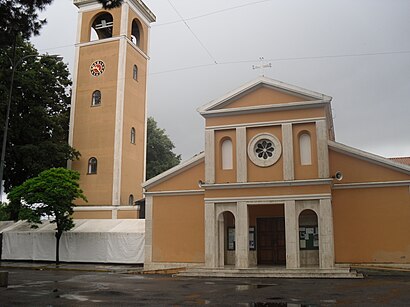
[97, 68]
[264, 149]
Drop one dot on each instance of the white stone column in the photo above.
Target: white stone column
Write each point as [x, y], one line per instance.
[221, 242]
[322, 149]
[327, 254]
[241, 158]
[209, 156]
[211, 250]
[292, 235]
[242, 236]
[148, 231]
[287, 144]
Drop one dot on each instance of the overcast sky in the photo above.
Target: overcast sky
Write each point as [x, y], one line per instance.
[358, 52]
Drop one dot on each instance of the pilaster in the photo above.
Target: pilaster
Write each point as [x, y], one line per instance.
[210, 156]
[287, 144]
[241, 159]
[292, 235]
[242, 236]
[322, 149]
[211, 256]
[148, 230]
[326, 238]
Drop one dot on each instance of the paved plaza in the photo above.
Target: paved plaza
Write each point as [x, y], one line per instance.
[83, 287]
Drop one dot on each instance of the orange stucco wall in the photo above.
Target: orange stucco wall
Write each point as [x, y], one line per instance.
[186, 180]
[372, 225]
[357, 170]
[94, 126]
[263, 95]
[178, 229]
[92, 215]
[265, 117]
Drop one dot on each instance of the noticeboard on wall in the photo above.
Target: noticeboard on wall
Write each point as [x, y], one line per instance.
[308, 238]
[231, 238]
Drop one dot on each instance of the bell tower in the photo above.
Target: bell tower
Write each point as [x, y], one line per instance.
[108, 108]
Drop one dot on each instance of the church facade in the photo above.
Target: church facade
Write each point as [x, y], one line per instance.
[273, 187]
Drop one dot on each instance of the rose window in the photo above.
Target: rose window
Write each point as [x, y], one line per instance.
[264, 149]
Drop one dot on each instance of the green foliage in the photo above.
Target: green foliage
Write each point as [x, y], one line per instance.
[39, 115]
[160, 156]
[20, 18]
[49, 195]
[4, 213]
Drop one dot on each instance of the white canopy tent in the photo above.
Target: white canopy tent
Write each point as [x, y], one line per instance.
[106, 241]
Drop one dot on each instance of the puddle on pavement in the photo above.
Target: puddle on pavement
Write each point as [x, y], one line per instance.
[251, 287]
[277, 304]
[79, 298]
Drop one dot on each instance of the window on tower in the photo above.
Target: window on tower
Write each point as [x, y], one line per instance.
[132, 135]
[136, 32]
[102, 26]
[92, 166]
[96, 98]
[135, 72]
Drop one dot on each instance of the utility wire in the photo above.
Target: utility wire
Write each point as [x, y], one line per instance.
[193, 33]
[285, 59]
[211, 13]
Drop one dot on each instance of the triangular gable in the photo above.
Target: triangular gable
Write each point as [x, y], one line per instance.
[263, 92]
[174, 171]
[366, 156]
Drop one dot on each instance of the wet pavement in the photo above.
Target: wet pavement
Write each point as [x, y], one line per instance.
[113, 287]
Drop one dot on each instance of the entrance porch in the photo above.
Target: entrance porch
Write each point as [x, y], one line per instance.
[269, 234]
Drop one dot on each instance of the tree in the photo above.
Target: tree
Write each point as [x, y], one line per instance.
[109, 4]
[39, 115]
[50, 194]
[159, 150]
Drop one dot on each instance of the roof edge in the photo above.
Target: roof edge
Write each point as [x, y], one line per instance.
[364, 155]
[195, 160]
[262, 80]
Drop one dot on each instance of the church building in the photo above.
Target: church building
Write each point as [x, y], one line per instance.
[274, 188]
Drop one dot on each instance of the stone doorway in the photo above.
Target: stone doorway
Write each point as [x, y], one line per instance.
[271, 246]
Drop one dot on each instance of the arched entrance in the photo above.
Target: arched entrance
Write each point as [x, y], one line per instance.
[308, 239]
[226, 239]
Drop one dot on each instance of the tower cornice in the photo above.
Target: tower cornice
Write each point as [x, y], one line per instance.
[138, 3]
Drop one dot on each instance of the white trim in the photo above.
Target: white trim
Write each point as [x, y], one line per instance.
[195, 160]
[210, 156]
[148, 231]
[369, 157]
[119, 118]
[256, 200]
[262, 81]
[142, 16]
[322, 149]
[265, 108]
[266, 184]
[241, 157]
[363, 185]
[266, 124]
[175, 192]
[91, 4]
[124, 19]
[87, 5]
[288, 161]
[105, 208]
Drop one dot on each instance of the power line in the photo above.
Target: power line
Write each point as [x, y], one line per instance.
[211, 13]
[196, 37]
[285, 59]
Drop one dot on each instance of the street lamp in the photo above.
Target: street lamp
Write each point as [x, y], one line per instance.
[14, 65]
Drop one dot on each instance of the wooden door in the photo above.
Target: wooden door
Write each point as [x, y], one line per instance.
[271, 248]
